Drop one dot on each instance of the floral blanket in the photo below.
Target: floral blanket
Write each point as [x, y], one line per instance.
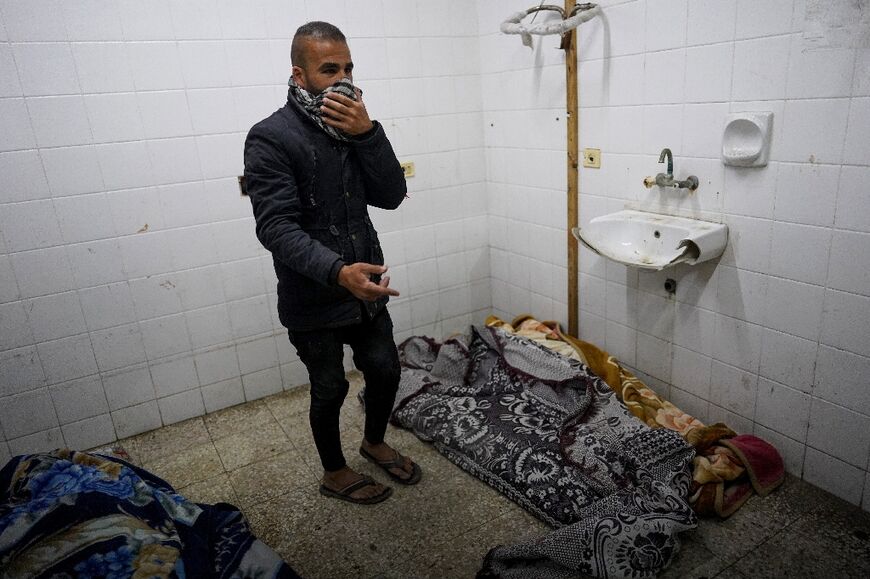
[552, 437]
[72, 514]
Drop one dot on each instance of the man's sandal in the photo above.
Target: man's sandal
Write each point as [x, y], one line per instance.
[345, 493]
[399, 463]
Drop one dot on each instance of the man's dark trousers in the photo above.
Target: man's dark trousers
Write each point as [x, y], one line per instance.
[374, 354]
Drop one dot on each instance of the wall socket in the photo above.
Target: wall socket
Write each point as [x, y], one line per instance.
[408, 168]
[592, 158]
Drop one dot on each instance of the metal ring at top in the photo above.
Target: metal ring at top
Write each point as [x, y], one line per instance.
[544, 7]
[580, 7]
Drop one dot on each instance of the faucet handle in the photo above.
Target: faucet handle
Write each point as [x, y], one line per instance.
[691, 183]
[648, 182]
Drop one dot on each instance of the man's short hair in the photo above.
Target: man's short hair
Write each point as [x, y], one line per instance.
[316, 30]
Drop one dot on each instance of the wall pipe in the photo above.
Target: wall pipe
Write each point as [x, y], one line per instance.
[572, 16]
[569, 44]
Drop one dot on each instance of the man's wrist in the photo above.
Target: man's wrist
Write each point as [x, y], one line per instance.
[367, 133]
[335, 272]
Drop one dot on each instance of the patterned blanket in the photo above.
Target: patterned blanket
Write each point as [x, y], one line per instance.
[553, 437]
[73, 514]
[727, 469]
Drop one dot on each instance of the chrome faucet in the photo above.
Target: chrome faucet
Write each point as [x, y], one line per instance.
[667, 179]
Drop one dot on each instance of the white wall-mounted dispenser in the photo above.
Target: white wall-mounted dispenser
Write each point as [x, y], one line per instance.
[746, 141]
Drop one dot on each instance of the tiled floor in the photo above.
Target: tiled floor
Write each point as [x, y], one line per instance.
[260, 457]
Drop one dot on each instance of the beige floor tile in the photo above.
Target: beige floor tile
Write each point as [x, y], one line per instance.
[298, 431]
[736, 536]
[370, 534]
[290, 403]
[310, 531]
[263, 459]
[693, 561]
[214, 490]
[352, 414]
[166, 441]
[465, 561]
[238, 419]
[791, 500]
[192, 465]
[426, 522]
[514, 526]
[463, 555]
[365, 537]
[238, 450]
[287, 519]
[268, 479]
[479, 488]
[839, 527]
[794, 554]
[357, 383]
[727, 573]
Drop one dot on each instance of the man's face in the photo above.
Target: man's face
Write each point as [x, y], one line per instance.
[326, 62]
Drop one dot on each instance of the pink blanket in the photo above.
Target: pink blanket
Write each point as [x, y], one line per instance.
[764, 471]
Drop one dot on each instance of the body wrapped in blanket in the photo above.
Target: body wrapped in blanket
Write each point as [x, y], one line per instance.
[554, 438]
[728, 469]
[74, 514]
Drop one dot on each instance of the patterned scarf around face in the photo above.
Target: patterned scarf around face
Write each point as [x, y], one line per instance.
[312, 103]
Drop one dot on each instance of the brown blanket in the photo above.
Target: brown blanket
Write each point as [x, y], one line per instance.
[724, 476]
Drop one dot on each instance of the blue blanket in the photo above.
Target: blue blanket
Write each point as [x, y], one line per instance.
[73, 514]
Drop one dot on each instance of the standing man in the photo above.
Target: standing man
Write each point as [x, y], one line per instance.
[311, 169]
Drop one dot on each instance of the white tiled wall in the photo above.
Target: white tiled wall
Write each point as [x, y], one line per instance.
[133, 292]
[773, 337]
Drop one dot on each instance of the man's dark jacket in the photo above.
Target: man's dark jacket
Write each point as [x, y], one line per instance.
[310, 194]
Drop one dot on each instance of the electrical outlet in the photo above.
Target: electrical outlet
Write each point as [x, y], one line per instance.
[592, 158]
[408, 168]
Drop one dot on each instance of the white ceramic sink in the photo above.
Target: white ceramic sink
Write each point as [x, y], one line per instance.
[652, 240]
